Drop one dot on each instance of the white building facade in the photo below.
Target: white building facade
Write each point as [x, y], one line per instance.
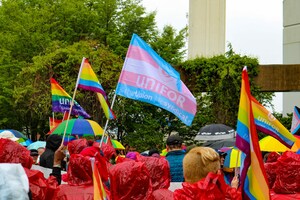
[291, 47]
[207, 23]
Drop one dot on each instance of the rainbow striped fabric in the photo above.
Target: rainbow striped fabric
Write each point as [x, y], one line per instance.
[89, 81]
[253, 178]
[268, 124]
[61, 101]
[54, 122]
[105, 106]
[99, 191]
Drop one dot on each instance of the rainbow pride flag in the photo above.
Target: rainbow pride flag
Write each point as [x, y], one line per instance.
[89, 81]
[61, 101]
[99, 191]
[105, 106]
[54, 122]
[268, 124]
[253, 178]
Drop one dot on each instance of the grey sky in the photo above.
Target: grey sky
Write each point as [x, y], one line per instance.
[253, 27]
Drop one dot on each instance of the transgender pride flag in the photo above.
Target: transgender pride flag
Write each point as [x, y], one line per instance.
[296, 121]
[148, 78]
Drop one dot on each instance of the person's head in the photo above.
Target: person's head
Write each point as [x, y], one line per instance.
[272, 157]
[76, 146]
[14, 182]
[265, 156]
[53, 142]
[95, 152]
[222, 157]
[13, 152]
[108, 151]
[131, 155]
[159, 171]
[34, 154]
[41, 150]
[80, 170]
[130, 180]
[132, 148]
[154, 153]
[127, 146]
[174, 142]
[198, 162]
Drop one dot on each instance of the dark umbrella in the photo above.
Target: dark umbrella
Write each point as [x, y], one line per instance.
[220, 143]
[215, 132]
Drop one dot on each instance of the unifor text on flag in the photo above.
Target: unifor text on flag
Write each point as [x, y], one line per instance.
[148, 78]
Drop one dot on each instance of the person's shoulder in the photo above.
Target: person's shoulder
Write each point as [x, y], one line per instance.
[176, 152]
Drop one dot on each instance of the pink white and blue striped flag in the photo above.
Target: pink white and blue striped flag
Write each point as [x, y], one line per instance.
[148, 78]
[295, 128]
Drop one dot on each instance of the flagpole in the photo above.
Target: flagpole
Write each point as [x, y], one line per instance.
[53, 119]
[236, 164]
[115, 95]
[107, 120]
[50, 123]
[72, 102]
[64, 117]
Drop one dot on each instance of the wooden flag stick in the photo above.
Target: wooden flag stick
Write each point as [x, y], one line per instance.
[106, 124]
[72, 102]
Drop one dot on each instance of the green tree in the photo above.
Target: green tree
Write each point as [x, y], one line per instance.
[33, 95]
[32, 30]
[286, 121]
[131, 18]
[44, 39]
[216, 82]
[170, 45]
[8, 117]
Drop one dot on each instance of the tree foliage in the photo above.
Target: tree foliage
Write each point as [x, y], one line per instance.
[43, 39]
[63, 64]
[216, 82]
[170, 45]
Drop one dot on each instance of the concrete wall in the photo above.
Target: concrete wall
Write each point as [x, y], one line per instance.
[291, 47]
[278, 78]
[206, 28]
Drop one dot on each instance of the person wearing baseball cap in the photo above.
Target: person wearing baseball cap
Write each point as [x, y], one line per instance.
[175, 156]
[227, 172]
[222, 157]
[34, 155]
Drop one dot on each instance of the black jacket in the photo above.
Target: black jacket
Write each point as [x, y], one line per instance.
[52, 144]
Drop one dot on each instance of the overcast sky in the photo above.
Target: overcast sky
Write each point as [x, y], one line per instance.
[253, 27]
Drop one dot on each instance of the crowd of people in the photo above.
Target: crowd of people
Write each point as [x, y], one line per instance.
[133, 176]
